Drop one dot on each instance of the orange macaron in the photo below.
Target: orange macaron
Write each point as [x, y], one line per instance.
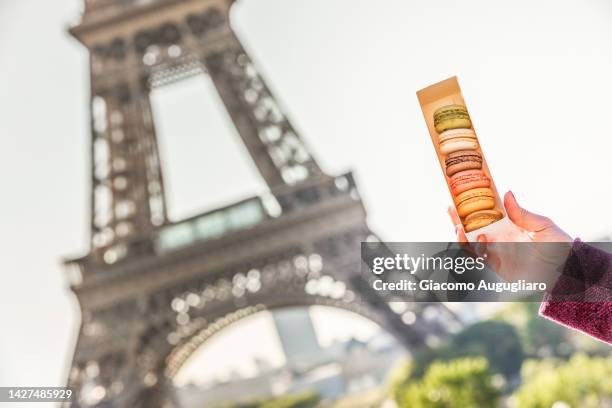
[474, 200]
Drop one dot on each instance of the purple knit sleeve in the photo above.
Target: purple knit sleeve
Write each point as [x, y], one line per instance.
[588, 274]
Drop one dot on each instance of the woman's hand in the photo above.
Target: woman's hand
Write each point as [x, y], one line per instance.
[516, 258]
[537, 227]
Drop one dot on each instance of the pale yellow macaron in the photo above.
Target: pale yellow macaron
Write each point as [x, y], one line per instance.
[454, 140]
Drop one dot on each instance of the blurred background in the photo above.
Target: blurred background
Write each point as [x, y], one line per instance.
[536, 77]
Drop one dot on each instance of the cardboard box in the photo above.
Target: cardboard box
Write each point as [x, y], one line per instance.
[445, 93]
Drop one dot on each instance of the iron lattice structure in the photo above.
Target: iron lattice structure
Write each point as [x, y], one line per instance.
[151, 291]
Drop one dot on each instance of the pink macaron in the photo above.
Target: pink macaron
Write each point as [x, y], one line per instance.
[467, 180]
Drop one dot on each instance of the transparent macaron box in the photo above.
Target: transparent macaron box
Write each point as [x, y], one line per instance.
[440, 95]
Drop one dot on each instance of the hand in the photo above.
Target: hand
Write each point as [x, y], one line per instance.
[513, 259]
[537, 227]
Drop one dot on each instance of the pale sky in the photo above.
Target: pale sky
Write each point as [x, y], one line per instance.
[535, 75]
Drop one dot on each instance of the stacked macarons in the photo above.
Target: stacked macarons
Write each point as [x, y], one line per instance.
[469, 185]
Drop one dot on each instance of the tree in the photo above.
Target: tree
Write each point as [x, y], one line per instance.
[460, 383]
[540, 337]
[584, 382]
[497, 341]
[303, 400]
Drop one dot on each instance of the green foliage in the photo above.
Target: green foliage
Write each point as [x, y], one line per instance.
[540, 336]
[372, 398]
[400, 378]
[584, 382]
[458, 383]
[304, 400]
[543, 335]
[497, 341]
[544, 338]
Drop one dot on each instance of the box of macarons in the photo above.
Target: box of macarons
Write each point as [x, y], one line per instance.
[463, 163]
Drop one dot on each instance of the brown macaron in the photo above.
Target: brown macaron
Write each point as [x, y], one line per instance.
[479, 219]
[463, 160]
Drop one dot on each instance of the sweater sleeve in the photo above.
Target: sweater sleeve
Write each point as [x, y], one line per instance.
[588, 274]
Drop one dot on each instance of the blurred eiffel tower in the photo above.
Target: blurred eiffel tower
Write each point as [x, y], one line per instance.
[152, 290]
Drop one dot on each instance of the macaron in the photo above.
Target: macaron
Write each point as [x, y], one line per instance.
[462, 160]
[451, 117]
[474, 200]
[467, 180]
[479, 219]
[457, 139]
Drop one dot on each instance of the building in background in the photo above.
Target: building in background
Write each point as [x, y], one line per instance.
[298, 338]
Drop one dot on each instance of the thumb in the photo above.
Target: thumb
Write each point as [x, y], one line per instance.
[522, 218]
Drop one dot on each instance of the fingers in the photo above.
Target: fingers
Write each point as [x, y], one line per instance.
[452, 213]
[481, 245]
[461, 237]
[523, 218]
[456, 220]
[488, 252]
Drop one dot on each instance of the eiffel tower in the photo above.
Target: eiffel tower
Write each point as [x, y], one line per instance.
[152, 290]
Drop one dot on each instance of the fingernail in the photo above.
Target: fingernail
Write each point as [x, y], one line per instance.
[512, 194]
